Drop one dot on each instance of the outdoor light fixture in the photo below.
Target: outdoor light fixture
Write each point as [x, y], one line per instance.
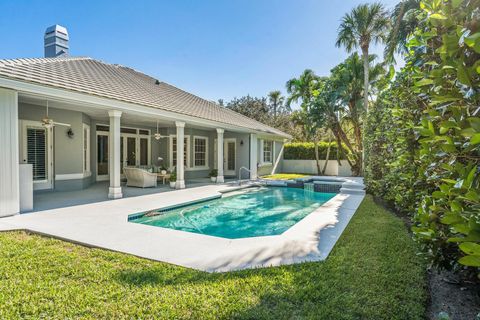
[70, 133]
[241, 142]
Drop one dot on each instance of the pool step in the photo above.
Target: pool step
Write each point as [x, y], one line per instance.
[352, 191]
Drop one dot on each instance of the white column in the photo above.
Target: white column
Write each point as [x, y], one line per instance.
[115, 190]
[253, 156]
[9, 165]
[180, 184]
[220, 178]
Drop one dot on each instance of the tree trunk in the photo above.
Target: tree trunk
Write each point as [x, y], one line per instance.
[315, 139]
[342, 137]
[328, 154]
[365, 99]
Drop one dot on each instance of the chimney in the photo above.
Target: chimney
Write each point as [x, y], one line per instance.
[56, 41]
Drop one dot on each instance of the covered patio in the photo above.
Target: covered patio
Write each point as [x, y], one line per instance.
[98, 192]
[73, 160]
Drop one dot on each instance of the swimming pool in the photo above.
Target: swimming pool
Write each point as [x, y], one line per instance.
[253, 212]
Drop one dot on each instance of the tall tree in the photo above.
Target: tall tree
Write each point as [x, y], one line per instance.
[366, 23]
[276, 102]
[252, 107]
[303, 90]
[405, 19]
[339, 105]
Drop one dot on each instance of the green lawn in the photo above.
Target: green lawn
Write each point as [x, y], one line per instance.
[284, 176]
[372, 273]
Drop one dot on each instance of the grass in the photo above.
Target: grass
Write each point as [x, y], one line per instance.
[372, 273]
[284, 176]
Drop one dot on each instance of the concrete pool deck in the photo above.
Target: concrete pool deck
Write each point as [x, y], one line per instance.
[105, 225]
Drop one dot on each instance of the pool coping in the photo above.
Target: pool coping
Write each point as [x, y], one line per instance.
[105, 225]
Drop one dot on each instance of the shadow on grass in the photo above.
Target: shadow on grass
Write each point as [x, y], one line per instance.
[161, 276]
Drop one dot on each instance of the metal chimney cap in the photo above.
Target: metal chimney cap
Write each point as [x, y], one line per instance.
[56, 28]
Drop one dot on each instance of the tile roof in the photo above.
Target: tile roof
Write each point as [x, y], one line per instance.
[86, 75]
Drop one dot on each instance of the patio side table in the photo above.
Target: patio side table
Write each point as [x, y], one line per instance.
[164, 177]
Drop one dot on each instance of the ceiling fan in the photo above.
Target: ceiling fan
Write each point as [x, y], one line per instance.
[49, 123]
[157, 135]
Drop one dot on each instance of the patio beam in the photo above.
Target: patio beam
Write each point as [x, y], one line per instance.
[180, 183]
[220, 178]
[115, 189]
[9, 164]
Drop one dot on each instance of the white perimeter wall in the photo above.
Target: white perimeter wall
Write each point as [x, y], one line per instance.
[310, 167]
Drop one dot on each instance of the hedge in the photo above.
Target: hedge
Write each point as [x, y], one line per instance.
[306, 151]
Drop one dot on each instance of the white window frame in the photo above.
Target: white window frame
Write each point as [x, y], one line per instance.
[86, 149]
[187, 156]
[206, 166]
[272, 151]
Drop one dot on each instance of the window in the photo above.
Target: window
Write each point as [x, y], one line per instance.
[173, 151]
[267, 151]
[86, 148]
[101, 127]
[128, 130]
[144, 132]
[200, 152]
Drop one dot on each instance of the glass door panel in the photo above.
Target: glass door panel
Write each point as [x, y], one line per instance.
[143, 151]
[102, 155]
[231, 156]
[123, 163]
[131, 151]
[37, 152]
[36, 149]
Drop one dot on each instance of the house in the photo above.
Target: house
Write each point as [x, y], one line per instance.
[77, 121]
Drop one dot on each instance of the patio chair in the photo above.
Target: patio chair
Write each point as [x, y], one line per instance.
[137, 177]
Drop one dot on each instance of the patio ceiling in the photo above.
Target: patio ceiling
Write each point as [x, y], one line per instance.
[98, 114]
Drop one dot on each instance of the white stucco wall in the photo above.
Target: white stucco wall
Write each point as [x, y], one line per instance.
[310, 167]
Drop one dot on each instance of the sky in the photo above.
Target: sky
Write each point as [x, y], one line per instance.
[215, 49]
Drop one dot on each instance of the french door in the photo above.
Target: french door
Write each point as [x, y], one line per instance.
[134, 151]
[128, 150]
[37, 150]
[229, 157]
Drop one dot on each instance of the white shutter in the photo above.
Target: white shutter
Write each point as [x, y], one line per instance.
[37, 152]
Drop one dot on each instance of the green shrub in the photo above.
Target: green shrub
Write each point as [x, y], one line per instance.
[306, 151]
[423, 136]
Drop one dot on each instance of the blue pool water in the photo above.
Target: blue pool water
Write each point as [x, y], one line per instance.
[254, 212]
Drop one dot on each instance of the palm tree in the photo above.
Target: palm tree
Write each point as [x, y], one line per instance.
[366, 23]
[339, 105]
[404, 15]
[348, 80]
[302, 90]
[276, 102]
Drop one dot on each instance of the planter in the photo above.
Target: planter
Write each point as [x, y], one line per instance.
[172, 184]
[213, 179]
[163, 172]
